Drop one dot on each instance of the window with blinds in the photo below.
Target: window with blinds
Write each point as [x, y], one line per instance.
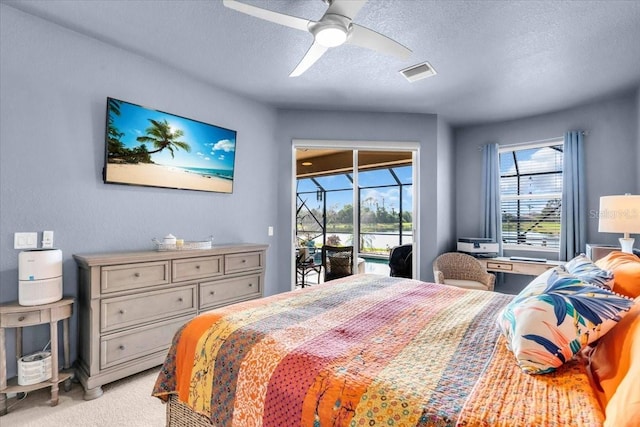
[531, 195]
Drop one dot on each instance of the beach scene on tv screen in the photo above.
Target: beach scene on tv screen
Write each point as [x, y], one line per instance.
[153, 148]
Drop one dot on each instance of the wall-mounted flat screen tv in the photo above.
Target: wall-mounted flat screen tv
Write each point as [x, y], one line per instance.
[157, 149]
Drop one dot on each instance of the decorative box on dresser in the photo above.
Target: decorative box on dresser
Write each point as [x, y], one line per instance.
[132, 303]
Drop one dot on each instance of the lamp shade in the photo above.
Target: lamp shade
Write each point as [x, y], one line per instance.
[619, 214]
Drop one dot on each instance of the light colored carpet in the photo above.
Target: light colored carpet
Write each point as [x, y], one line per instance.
[127, 402]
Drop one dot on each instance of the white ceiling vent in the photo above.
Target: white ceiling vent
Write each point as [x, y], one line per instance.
[418, 72]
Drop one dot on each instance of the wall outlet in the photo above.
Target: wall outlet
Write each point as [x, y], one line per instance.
[47, 239]
[25, 240]
[270, 230]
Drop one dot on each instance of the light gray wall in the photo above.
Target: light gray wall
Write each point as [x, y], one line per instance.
[336, 125]
[638, 140]
[54, 85]
[610, 155]
[445, 208]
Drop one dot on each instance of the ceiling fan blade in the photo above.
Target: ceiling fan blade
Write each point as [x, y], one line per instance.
[346, 8]
[268, 15]
[313, 54]
[365, 37]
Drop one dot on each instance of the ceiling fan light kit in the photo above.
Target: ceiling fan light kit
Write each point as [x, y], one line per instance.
[331, 36]
[332, 30]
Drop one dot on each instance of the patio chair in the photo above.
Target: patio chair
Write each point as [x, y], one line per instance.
[337, 261]
[400, 261]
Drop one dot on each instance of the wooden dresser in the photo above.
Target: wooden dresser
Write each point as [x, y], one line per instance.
[132, 303]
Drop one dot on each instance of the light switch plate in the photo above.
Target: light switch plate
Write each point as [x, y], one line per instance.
[25, 240]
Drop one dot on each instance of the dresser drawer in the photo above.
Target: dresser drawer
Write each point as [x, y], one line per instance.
[137, 343]
[196, 268]
[231, 290]
[132, 310]
[504, 266]
[236, 263]
[18, 320]
[115, 278]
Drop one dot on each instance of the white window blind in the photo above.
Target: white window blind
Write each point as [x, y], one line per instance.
[531, 195]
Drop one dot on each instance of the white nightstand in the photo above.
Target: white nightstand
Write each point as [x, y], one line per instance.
[595, 251]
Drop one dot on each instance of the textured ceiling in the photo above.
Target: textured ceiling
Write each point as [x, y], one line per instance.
[496, 60]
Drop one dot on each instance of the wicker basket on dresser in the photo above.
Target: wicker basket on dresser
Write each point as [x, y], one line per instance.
[132, 303]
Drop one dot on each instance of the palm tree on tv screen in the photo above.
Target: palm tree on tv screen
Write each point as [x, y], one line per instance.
[162, 136]
[115, 147]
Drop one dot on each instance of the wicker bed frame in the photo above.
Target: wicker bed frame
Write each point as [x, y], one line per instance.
[180, 415]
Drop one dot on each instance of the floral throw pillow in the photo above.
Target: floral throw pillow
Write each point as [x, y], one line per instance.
[585, 269]
[545, 326]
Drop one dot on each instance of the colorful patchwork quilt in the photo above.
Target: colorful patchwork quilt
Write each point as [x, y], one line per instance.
[364, 351]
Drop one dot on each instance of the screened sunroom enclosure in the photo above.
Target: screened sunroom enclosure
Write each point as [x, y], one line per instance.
[531, 195]
[384, 196]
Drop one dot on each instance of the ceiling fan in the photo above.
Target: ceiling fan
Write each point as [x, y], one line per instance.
[333, 29]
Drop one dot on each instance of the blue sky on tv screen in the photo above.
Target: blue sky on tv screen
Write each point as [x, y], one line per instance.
[212, 147]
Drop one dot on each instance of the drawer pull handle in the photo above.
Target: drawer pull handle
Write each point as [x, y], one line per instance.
[212, 292]
[136, 274]
[250, 285]
[121, 312]
[244, 261]
[21, 318]
[197, 267]
[180, 299]
[121, 347]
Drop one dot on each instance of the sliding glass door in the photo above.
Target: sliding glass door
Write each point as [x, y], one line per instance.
[369, 207]
[385, 194]
[324, 198]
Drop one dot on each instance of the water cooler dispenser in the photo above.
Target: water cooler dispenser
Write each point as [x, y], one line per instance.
[39, 276]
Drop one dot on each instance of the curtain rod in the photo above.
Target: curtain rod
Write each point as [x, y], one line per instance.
[539, 141]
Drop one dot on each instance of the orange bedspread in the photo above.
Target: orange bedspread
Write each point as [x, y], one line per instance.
[366, 350]
[506, 396]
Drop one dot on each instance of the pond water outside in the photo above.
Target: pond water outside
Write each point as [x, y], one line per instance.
[378, 240]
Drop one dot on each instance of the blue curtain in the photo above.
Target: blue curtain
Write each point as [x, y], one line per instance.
[574, 213]
[491, 216]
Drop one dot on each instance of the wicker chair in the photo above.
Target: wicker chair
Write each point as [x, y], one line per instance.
[463, 271]
[337, 261]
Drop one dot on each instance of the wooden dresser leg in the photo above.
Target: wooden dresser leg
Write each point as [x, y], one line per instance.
[93, 393]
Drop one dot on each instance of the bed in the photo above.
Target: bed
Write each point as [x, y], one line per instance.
[362, 351]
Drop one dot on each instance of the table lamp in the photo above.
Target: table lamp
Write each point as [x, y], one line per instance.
[620, 214]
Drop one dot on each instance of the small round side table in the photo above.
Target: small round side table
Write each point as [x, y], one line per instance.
[13, 315]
